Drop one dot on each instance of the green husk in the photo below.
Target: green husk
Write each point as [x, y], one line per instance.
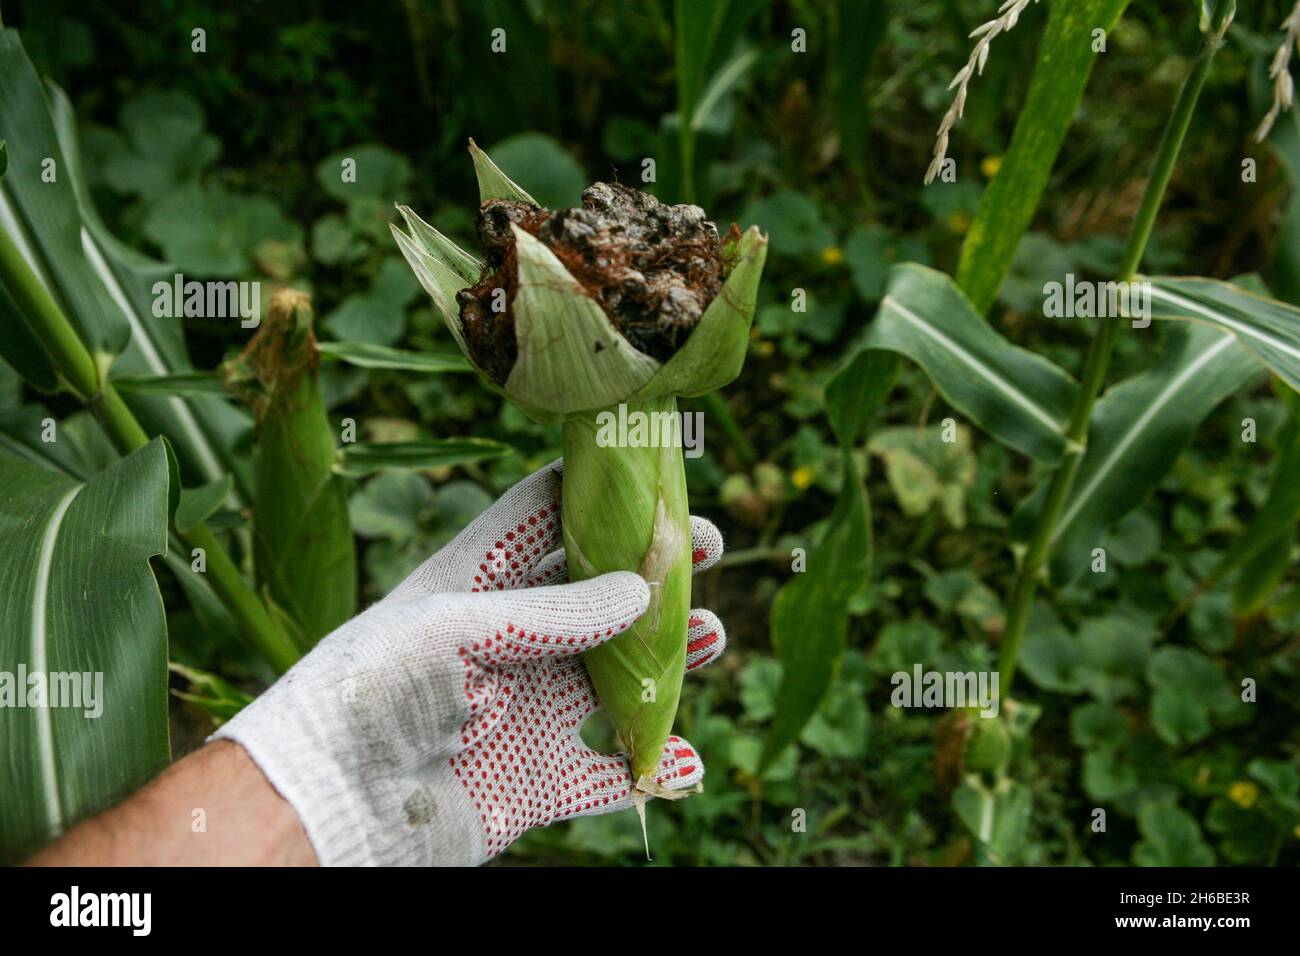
[625, 509]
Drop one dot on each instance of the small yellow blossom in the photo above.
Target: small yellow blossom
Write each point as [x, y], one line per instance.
[990, 166]
[803, 477]
[1244, 794]
[764, 348]
[832, 256]
[959, 222]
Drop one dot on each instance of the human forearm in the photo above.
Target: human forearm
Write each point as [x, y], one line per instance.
[212, 808]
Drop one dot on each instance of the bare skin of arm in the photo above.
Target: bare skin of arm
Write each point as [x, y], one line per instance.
[245, 822]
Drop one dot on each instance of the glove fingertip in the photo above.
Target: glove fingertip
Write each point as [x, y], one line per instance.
[706, 544]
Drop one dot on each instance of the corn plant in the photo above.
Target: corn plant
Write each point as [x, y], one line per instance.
[140, 473]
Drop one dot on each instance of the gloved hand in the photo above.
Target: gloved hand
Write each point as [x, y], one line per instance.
[443, 722]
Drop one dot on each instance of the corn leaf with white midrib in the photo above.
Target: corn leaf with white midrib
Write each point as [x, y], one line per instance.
[1269, 329]
[1138, 429]
[1021, 399]
[81, 597]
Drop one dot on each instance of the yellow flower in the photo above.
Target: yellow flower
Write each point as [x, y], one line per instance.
[764, 348]
[1244, 794]
[990, 166]
[959, 221]
[832, 256]
[803, 477]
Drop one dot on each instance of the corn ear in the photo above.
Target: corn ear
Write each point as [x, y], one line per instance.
[625, 509]
[303, 552]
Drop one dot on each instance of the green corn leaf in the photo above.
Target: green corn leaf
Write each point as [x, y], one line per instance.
[1138, 429]
[46, 209]
[80, 597]
[1065, 62]
[203, 428]
[369, 355]
[198, 504]
[1261, 575]
[860, 29]
[1020, 398]
[177, 383]
[211, 693]
[1274, 521]
[810, 615]
[360, 459]
[1269, 329]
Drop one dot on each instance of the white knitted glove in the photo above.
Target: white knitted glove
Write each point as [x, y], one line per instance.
[443, 722]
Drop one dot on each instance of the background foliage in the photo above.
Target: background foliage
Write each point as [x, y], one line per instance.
[225, 164]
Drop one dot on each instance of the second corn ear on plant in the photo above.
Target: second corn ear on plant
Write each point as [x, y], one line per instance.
[587, 317]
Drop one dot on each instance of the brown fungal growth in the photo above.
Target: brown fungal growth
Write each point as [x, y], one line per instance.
[653, 268]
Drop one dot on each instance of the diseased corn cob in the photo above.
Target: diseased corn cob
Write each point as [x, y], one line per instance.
[628, 302]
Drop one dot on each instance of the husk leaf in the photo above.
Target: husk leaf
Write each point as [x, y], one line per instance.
[571, 358]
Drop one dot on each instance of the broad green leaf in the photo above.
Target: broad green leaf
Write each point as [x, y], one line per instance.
[792, 221]
[1170, 837]
[857, 389]
[1269, 329]
[360, 459]
[811, 612]
[364, 171]
[367, 355]
[1188, 691]
[80, 598]
[204, 430]
[45, 210]
[377, 316]
[810, 615]
[177, 383]
[198, 504]
[1065, 62]
[1138, 429]
[211, 231]
[1019, 398]
[164, 146]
